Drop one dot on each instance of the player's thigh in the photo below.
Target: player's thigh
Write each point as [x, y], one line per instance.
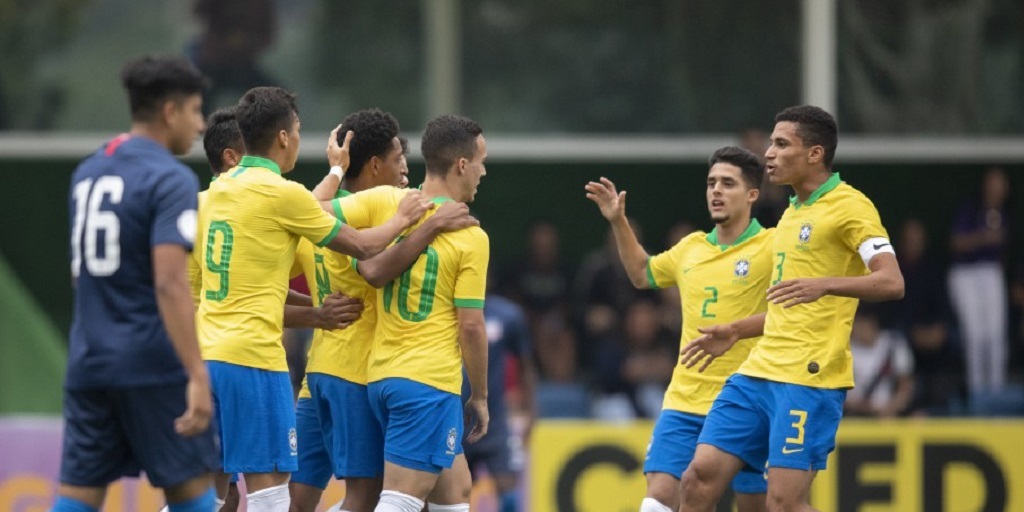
[173, 462]
[737, 425]
[95, 450]
[804, 422]
[314, 462]
[257, 416]
[454, 485]
[409, 481]
[423, 426]
[353, 436]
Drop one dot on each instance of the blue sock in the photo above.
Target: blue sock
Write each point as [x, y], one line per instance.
[203, 503]
[510, 502]
[65, 504]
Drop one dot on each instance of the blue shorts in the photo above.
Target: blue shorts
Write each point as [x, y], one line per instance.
[256, 414]
[774, 424]
[351, 433]
[422, 424]
[675, 441]
[112, 433]
[314, 463]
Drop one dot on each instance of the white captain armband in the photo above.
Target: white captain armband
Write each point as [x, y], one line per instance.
[873, 247]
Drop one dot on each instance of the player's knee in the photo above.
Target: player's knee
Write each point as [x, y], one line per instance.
[781, 502]
[664, 489]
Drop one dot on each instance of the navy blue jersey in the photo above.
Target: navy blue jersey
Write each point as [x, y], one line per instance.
[128, 197]
[507, 334]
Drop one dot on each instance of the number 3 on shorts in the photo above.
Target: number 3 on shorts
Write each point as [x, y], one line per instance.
[801, 420]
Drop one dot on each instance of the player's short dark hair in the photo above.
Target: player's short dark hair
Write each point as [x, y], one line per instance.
[751, 166]
[262, 113]
[446, 139]
[815, 127]
[374, 132]
[404, 142]
[221, 133]
[152, 80]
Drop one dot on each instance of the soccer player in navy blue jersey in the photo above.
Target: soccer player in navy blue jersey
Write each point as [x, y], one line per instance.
[137, 394]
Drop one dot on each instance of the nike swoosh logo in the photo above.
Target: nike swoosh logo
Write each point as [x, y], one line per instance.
[786, 450]
[879, 246]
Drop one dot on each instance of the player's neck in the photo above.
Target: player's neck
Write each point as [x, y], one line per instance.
[812, 182]
[152, 132]
[434, 186]
[278, 157]
[731, 231]
[363, 182]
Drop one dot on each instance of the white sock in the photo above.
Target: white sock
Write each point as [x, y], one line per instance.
[392, 501]
[271, 499]
[218, 504]
[459, 507]
[653, 505]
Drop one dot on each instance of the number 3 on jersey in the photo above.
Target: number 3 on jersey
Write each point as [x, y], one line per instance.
[427, 287]
[90, 221]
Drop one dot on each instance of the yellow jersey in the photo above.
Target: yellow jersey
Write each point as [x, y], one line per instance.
[306, 264]
[252, 223]
[809, 344]
[417, 334]
[195, 269]
[717, 284]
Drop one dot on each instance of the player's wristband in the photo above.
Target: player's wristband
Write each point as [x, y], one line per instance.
[337, 171]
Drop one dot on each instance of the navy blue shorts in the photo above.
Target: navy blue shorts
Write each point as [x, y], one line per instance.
[492, 452]
[114, 433]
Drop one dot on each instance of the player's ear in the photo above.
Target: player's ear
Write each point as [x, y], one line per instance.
[282, 138]
[753, 194]
[169, 111]
[231, 157]
[816, 155]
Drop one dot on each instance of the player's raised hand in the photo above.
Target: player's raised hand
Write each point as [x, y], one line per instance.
[453, 216]
[798, 291]
[476, 407]
[715, 341]
[199, 403]
[611, 202]
[413, 206]
[339, 155]
[339, 311]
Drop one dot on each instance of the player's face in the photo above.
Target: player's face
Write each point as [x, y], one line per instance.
[186, 123]
[728, 195]
[787, 157]
[392, 170]
[405, 172]
[292, 150]
[474, 169]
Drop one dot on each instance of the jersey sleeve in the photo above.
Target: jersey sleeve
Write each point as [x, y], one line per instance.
[661, 268]
[859, 223]
[174, 209]
[368, 208]
[300, 213]
[471, 281]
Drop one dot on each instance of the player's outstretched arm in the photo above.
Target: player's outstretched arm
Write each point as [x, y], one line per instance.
[885, 282]
[473, 341]
[338, 158]
[337, 312]
[718, 339]
[388, 265]
[613, 207]
[367, 243]
[174, 301]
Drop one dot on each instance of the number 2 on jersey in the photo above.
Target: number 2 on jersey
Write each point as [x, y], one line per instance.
[427, 290]
[221, 266]
[709, 301]
[90, 221]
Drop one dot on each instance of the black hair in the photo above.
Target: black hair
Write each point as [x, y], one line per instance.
[815, 127]
[446, 139]
[262, 113]
[404, 142]
[751, 166]
[374, 131]
[221, 133]
[152, 80]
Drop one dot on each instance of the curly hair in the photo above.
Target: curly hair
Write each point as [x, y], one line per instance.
[221, 133]
[374, 134]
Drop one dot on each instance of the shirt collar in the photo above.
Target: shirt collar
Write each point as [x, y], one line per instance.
[258, 161]
[753, 229]
[831, 183]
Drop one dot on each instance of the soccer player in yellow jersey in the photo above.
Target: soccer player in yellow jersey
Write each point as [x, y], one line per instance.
[429, 321]
[252, 224]
[783, 406]
[337, 432]
[721, 277]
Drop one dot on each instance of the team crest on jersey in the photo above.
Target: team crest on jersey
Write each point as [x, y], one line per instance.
[805, 232]
[293, 441]
[742, 268]
[452, 437]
